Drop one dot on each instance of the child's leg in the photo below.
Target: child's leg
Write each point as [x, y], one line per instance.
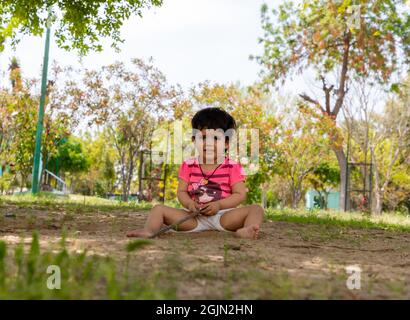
[245, 221]
[160, 215]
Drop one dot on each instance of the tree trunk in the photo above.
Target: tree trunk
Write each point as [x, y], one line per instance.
[342, 161]
[379, 202]
[296, 195]
[263, 196]
[124, 184]
[125, 192]
[129, 181]
[22, 184]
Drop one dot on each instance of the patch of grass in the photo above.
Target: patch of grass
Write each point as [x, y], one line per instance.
[33, 275]
[188, 245]
[387, 221]
[259, 285]
[208, 273]
[73, 203]
[137, 244]
[397, 288]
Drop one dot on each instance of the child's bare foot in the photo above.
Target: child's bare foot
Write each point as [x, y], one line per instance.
[140, 233]
[249, 232]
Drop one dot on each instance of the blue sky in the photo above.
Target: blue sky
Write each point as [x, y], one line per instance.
[190, 40]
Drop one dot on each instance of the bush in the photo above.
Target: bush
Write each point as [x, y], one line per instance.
[6, 182]
[100, 189]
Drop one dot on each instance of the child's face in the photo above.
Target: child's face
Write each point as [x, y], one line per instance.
[210, 144]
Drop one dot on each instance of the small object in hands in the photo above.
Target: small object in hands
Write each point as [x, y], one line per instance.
[175, 224]
[10, 215]
[205, 206]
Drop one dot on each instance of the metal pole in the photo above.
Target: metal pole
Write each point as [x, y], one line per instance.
[347, 168]
[370, 185]
[140, 174]
[166, 166]
[37, 152]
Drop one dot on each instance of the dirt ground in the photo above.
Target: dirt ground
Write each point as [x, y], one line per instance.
[289, 261]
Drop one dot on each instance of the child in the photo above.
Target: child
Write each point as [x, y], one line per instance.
[212, 183]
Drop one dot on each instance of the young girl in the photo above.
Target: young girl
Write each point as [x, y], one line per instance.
[212, 183]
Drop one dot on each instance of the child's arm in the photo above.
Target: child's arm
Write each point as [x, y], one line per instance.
[236, 198]
[238, 195]
[184, 197]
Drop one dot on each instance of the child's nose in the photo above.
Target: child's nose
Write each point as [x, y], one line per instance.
[209, 144]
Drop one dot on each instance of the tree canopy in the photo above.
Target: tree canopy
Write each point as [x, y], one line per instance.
[79, 24]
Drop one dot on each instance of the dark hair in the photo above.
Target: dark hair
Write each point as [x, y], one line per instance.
[213, 118]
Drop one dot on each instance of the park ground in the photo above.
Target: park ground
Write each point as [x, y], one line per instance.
[300, 255]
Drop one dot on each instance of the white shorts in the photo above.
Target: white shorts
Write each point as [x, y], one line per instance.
[208, 222]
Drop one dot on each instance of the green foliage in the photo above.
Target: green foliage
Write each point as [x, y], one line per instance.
[82, 276]
[253, 184]
[137, 244]
[6, 181]
[327, 173]
[316, 34]
[71, 156]
[71, 203]
[79, 24]
[389, 221]
[339, 41]
[323, 179]
[301, 148]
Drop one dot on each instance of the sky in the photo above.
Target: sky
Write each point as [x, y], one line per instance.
[190, 41]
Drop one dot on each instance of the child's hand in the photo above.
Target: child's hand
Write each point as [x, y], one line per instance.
[211, 209]
[193, 206]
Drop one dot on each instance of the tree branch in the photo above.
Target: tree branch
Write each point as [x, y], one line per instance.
[341, 91]
[327, 91]
[305, 97]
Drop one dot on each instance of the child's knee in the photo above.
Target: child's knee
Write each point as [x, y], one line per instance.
[256, 209]
[157, 209]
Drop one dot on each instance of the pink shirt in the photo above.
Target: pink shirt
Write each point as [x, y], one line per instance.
[219, 185]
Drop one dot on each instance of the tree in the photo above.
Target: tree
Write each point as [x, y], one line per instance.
[15, 75]
[71, 156]
[61, 115]
[129, 102]
[323, 179]
[338, 41]
[18, 110]
[16, 133]
[301, 146]
[399, 188]
[80, 24]
[100, 176]
[390, 137]
[24, 137]
[108, 173]
[7, 125]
